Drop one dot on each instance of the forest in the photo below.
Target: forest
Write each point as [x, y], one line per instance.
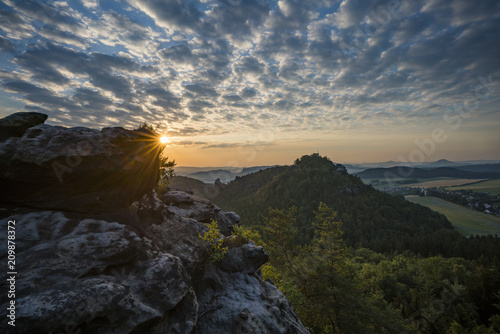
[352, 259]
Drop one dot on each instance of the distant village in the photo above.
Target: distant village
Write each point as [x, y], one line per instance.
[484, 202]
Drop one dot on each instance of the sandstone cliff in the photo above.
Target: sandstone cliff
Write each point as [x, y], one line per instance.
[98, 251]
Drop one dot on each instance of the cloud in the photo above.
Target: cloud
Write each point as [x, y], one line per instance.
[92, 99]
[118, 29]
[248, 92]
[201, 90]
[171, 14]
[235, 145]
[203, 67]
[461, 12]
[14, 26]
[48, 14]
[249, 65]
[64, 37]
[25, 87]
[6, 46]
[90, 3]
[239, 20]
[233, 98]
[180, 54]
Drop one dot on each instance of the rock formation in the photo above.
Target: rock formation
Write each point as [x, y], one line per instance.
[134, 263]
[77, 169]
[16, 124]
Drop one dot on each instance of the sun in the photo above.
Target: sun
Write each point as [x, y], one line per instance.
[164, 140]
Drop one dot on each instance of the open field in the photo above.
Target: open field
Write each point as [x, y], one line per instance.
[466, 221]
[490, 186]
[443, 182]
[422, 183]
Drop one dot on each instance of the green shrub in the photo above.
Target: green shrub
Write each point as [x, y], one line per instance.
[244, 235]
[214, 242]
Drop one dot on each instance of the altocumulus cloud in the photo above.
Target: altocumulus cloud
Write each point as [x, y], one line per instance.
[211, 67]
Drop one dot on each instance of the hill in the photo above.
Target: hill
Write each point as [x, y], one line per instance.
[485, 168]
[188, 184]
[371, 218]
[210, 174]
[413, 172]
[439, 163]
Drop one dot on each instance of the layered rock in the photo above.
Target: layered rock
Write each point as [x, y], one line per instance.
[77, 169]
[16, 124]
[137, 267]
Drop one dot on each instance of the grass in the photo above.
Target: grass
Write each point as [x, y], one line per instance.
[422, 183]
[465, 221]
[443, 182]
[490, 186]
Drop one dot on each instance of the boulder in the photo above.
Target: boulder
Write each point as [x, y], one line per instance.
[78, 169]
[246, 259]
[181, 237]
[176, 198]
[189, 206]
[240, 303]
[16, 124]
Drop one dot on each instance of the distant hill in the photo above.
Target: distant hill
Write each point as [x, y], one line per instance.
[465, 172]
[189, 185]
[483, 168]
[210, 174]
[439, 163]
[371, 218]
[356, 168]
[359, 167]
[186, 170]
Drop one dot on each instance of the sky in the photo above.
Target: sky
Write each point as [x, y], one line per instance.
[245, 83]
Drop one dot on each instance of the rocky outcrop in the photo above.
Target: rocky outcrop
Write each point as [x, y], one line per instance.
[340, 170]
[187, 205]
[102, 276]
[141, 269]
[77, 169]
[252, 306]
[352, 191]
[16, 124]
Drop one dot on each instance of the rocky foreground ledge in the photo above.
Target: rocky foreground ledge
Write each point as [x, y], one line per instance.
[135, 264]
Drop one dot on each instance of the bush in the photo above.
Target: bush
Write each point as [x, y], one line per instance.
[214, 242]
[244, 235]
